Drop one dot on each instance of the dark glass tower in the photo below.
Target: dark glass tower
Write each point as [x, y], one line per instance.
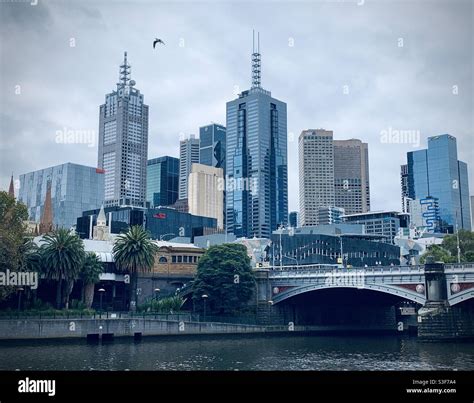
[162, 180]
[212, 145]
[256, 161]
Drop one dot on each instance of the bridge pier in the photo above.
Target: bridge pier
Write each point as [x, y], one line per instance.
[437, 320]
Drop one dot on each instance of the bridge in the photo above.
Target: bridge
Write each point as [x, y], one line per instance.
[278, 284]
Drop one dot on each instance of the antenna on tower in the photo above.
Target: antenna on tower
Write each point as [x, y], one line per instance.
[256, 62]
[124, 71]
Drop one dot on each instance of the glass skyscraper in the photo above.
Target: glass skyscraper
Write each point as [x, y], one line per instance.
[212, 145]
[123, 142]
[188, 155]
[256, 161]
[435, 172]
[74, 188]
[162, 179]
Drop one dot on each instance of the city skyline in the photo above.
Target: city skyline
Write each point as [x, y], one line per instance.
[352, 102]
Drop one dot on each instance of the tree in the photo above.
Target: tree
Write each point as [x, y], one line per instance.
[90, 275]
[134, 252]
[13, 215]
[63, 255]
[447, 252]
[224, 274]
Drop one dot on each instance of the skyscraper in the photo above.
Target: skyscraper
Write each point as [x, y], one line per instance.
[256, 160]
[351, 176]
[293, 219]
[404, 187]
[316, 174]
[188, 155]
[437, 173]
[72, 188]
[212, 144]
[123, 142]
[162, 179]
[206, 192]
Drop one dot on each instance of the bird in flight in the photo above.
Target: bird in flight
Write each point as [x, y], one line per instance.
[157, 41]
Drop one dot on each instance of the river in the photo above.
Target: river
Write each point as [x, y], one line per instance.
[292, 352]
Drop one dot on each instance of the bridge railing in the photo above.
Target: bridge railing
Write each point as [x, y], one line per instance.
[315, 270]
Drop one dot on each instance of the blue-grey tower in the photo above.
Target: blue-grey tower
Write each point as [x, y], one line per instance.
[256, 159]
[436, 173]
[123, 142]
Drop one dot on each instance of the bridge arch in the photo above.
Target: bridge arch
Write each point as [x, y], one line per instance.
[388, 289]
[461, 296]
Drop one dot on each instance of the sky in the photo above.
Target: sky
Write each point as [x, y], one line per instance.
[363, 69]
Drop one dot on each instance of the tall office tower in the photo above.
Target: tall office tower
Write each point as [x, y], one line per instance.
[206, 192]
[73, 188]
[316, 171]
[256, 160]
[351, 176]
[123, 142]
[188, 155]
[437, 173]
[293, 219]
[162, 180]
[212, 144]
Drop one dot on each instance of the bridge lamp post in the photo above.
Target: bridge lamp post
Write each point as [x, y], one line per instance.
[101, 294]
[20, 290]
[204, 298]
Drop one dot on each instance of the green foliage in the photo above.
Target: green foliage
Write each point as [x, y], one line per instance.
[447, 252]
[134, 251]
[91, 268]
[13, 242]
[164, 305]
[224, 274]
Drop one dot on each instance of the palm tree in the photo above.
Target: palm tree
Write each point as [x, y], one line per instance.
[134, 252]
[90, 275]
[63, 254]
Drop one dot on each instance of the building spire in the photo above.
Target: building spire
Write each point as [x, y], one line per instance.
[46, 223]
[256, 62]
[124, 71]
[11, 189]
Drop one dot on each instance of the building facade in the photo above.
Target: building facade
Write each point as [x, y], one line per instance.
[436, 172]
[256, 161]
[188, 155]
[330, 215]
[293, 219]
[351, 176]
[316, 173]
[162, 181]
[74, 188]
[123, 142]
[206, 192]
[212, 145]
[382, 223]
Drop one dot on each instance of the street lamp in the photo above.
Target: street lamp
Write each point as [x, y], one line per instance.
[20, 290]
[204, 297]
[101, 293]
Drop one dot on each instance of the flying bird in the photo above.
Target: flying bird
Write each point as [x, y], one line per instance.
[157, 41]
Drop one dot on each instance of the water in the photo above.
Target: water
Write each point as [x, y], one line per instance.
[240, 353]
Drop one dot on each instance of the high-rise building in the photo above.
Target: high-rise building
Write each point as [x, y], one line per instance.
[73, 189]
[472, 211]
[436, 172]
[316, 173]
[206, 192]
[188, 155]
[293, 219]
[330, 215]
[404, 188]
[162, 180]
[123, 142]
[256, 161]
[212, 145]
[351, 176]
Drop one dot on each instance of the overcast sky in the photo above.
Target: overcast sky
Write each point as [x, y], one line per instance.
[360, 70]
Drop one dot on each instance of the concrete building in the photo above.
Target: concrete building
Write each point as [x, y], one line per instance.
[436, 172]
[162, 181]
[316, 173]
[206, 192]
[73, 189]
[188, 155]
[123, 142]
[351, 176]
[329, 215]
[256, 161]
